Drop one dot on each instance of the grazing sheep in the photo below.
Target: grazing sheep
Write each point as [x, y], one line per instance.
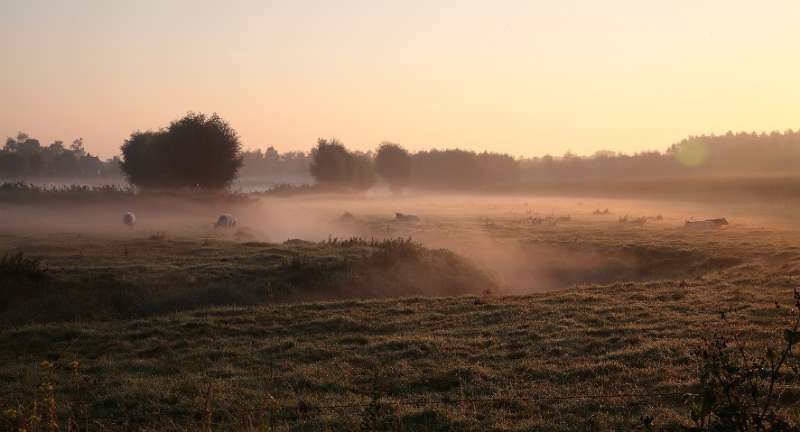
[406, 217]
[129, 219]
[706, 224]
[225, 221]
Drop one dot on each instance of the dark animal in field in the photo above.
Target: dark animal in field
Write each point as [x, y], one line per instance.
[129, 219]
[225, 221]
[406, 217]
[601, 212]
[347, 217]
[706, 224]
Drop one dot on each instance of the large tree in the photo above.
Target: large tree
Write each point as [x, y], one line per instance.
[194, 151]
[393, 163]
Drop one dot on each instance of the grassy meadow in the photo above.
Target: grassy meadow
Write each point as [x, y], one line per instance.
[506, 314]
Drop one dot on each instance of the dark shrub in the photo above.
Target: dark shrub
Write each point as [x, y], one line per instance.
[194, 151]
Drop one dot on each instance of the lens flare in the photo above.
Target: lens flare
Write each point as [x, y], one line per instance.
[692, 154]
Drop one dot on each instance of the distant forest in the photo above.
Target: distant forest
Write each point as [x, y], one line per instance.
[732, 153]
[24, 157]
[259, 163]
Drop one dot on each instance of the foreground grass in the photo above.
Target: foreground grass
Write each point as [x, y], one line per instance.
[277, 365]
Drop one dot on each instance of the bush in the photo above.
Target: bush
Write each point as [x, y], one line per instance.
[195, 151]
[740, 390]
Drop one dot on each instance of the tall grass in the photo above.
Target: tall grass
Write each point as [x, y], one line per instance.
[24, 193]
[28, 193]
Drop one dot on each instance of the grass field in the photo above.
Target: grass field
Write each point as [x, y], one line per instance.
[556, 319]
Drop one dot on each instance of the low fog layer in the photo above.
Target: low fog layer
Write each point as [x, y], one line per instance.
[474, 226]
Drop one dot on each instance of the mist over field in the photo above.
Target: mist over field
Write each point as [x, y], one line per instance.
[473, 226]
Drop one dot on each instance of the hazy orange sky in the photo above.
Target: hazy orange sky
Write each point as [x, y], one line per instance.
[524, 77]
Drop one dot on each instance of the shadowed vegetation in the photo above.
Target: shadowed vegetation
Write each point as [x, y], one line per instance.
[131, 278]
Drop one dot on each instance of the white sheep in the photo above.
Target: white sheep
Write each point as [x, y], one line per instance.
[225, 221]
[129, 219]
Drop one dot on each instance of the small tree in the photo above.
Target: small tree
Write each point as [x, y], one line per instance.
[194, 151]
[330, 163]
[393, 163]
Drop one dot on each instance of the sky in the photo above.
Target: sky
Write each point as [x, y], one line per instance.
[525, 77]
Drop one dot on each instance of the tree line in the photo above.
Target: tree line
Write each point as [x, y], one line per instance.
[332, 164]
[270, 162]
[200, 151]
[728, 154]
[24, 157]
